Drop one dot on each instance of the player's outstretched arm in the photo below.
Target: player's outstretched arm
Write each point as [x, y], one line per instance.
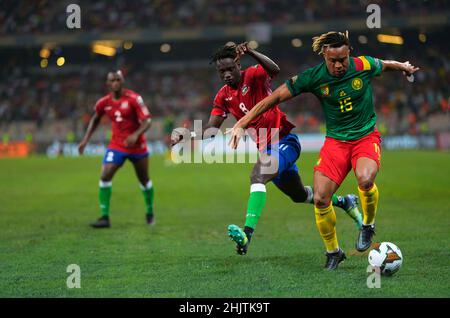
[93, 124]
[405, 67]
[270, 66]
[281, 94]
[209, 131]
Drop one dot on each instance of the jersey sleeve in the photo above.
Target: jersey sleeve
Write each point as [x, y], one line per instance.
[367, 63]
[140, 108]
[260, 73]
[219, 105]
[99, 107]
[300, 83]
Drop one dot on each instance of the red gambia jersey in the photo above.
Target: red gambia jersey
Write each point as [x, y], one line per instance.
[253, 87]
[126, 115]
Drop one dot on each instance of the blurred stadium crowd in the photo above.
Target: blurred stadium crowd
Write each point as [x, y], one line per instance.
[27, 93]
[40, 17]
[184, 89]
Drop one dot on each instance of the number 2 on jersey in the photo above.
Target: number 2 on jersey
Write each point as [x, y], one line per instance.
[346, 105]
[118, 116]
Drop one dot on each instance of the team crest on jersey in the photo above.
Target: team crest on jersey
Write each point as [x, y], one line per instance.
[245, 89]
[325, 90]
[357, 83]
[124, 105]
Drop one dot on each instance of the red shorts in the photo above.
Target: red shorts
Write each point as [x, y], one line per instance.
[338, 157]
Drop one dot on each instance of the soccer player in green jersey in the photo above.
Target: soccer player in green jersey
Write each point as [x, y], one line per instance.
[343, 85]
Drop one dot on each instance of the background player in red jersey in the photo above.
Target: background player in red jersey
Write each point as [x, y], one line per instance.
[130, 120]
[242, 90]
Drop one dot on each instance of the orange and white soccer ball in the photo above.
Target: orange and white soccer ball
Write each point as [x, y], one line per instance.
[387, 257]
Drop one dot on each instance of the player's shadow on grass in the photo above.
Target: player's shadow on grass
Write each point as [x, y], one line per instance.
[303, 262]
[354, 252]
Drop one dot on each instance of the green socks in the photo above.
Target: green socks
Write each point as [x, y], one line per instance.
[256, 203]
[148, 192]
[104, 196]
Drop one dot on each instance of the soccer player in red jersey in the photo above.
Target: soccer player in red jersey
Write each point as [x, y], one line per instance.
[130, 119]
[242, 90]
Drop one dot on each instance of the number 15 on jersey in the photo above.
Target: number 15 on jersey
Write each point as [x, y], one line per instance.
[346, 104]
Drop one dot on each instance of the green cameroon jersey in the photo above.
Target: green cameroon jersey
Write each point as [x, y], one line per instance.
[347, 101]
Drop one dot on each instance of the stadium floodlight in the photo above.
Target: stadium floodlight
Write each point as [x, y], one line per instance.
[104, 50]
[165, 48]
[44, 53]
[391, 39]
[106, 47]
[422, 37]
[128, 45]
[253, 44]
[60, 61]
[363, 39]
[44, 63]
[296, 42]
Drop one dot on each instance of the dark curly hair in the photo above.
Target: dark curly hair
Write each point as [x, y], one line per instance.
[226, 51]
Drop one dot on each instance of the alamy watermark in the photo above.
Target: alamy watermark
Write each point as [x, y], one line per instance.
[212, 146]
[73, 20]
[374, 279]
[74, 279]
[374, 19]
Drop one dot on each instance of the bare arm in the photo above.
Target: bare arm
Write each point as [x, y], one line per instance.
[213, 122]
[405, 67]
[93, 124]
[145, 125]
[270, 66]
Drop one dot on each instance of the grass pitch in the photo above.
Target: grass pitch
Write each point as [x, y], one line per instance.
[46, 205]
